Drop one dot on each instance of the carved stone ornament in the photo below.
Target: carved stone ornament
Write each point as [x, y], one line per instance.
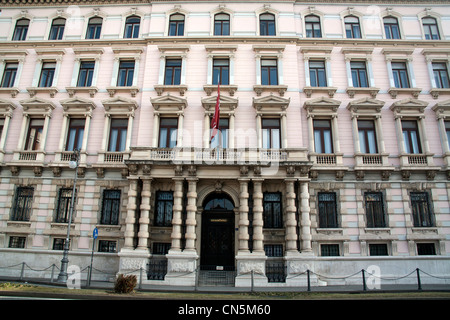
[246, 267]
[181, 266]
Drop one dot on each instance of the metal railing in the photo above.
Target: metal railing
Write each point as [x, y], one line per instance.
[157, 269]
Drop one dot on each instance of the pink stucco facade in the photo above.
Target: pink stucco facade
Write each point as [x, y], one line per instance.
[291, 164]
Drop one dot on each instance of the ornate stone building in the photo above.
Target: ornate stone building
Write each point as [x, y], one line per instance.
[334, 144]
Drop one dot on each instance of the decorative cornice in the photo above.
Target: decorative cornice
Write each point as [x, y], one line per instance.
[24, 3]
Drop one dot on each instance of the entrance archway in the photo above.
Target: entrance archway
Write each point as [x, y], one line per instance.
[217, 243]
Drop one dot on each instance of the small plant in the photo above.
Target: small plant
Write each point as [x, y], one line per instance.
[125, 284]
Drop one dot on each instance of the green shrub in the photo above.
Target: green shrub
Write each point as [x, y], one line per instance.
[125, 284]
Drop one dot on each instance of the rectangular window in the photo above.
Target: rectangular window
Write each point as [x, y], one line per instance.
[274, 250]
[327, 205]
[269, 72]
[118, 135]
[400, 73]
[221, 71]
[75, 134]
[421, 209]
[34, 135]
[86, 74]
[271, 137]
[161, 248]
[168, 128]
[367, 136]
[163, 208]
[107, 246]
[322, 136]
[359, 74]
[411, 136]
[63, 206]
[426, 249]
[329, 250]
[47, 74]
[224, 129]
[110, 207]
[440, 73]
[172, 72]
[126, 74]
[374, 210]
[317, 74]
[272, 210]
[378, 249]
[58, 243]
[9, 75]
[21, 210]
[17, 242]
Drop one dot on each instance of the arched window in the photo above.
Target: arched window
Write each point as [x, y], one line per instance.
[57, 29]
[218, 201]
[176, 25]
[267, 24]
[94, 28]
[391, 28]
[21, 29]
[132, 25]
[430, 28]
[352, 27]
[312, 25]
[222, 24]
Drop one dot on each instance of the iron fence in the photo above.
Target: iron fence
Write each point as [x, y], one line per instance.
[275, 272]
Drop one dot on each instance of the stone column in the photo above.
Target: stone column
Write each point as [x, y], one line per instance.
[131, 214]
[291, 222]
[305, 223]
[191, 212]
[144, 219]
[176, 219]
[243, 216]
[258, 222]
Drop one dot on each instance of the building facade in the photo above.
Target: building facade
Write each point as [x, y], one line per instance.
[333, 153]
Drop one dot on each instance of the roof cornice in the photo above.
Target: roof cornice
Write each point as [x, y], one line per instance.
[25, 3]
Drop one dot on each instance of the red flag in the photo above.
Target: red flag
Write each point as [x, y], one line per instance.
[216, 116]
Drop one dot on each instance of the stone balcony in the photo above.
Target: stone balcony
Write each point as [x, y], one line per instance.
[241, 156]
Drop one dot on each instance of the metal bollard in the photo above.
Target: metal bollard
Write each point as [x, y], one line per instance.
[364, 280]
[419, 284]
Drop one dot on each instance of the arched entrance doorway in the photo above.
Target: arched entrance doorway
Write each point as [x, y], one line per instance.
[217, 244]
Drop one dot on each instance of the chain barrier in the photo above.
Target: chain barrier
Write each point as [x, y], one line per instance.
[22, 267]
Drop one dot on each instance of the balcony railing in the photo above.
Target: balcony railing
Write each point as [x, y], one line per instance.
[219, 156]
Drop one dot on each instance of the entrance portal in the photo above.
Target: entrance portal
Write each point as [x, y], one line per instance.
[217, 249]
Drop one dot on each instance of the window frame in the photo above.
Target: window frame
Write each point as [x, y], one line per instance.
[94, 29]
[327, 210]
[375, 209]
[86, 73]
[163, 219]
[63, 205]
[110, 213]
[410, 145]
[47, 74]
[21, 31]
[314, 74]
[267, 24]
[359, 73]
[368, 143]
[441, 75]
[315, 26]
[267, 72]
[222, 26]
[176, 25]
[23, 195]
[123, 80]
[399, 72]
[9, 74]
[57, 29]
[35, 143]
[221, 71]
[172, 73]
[122, 132]
[273, 218]
[172, 129]
[321, 131]
[77, 132]
[132, 27]
[268, 133]
[420, 218]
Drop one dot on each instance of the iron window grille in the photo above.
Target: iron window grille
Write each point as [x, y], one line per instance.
[110, 207]
[328, 217]
[63, 206]
[164, 208]
[22, 204]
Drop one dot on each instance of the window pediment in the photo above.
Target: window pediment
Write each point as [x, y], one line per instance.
[365, 106]
[120, 105]
[227, 104]
[169, 103]
[409, 107]
[6, 107]
[271, 104]
[78, 106]
[322, 106]
[442, 109]
[37, 106]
